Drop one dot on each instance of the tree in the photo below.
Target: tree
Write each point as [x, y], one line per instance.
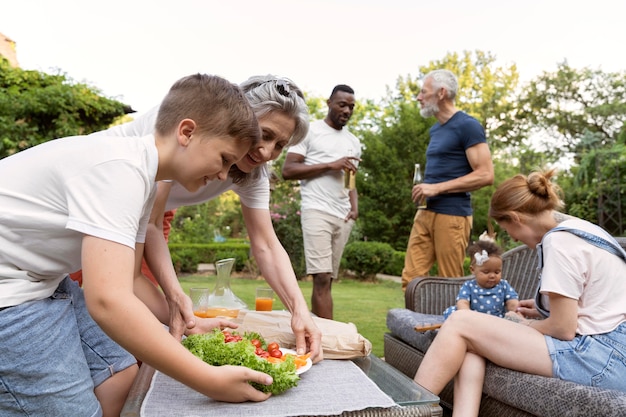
[594, 189]
[561, 106]
[385, 174]
[285, 213]
[36, 107]
[317, 107]
[579, 116]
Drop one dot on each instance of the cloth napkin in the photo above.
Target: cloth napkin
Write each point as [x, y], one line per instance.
[339, 340]
[330, 387]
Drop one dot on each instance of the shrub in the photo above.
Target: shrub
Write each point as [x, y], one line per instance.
[366, 259]
[240, 255]
[187, 256]
[395, 265]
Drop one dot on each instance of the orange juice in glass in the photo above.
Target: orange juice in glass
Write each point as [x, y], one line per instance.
[200, 301]
[264, 299]
[221, 312]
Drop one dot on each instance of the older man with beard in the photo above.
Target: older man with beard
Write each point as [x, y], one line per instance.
[458, 161]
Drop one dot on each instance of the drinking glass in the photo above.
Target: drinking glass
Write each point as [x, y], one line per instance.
[264, 299]
[200, 301]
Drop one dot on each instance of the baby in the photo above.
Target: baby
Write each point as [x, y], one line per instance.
[487, 292]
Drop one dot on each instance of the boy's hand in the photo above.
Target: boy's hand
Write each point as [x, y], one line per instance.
[234, 385]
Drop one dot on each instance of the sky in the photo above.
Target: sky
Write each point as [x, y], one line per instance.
[134, 50]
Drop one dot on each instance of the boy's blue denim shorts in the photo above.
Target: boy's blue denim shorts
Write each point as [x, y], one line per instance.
[595, 360]
[53, 355]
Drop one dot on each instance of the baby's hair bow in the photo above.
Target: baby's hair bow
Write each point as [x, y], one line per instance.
[481, 258]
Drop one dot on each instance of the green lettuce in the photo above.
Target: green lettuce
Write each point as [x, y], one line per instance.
[211, 348]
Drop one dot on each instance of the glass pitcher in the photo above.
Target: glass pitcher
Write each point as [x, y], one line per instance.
[222, 301]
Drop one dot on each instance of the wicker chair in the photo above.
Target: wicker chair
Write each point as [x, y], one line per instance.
[505, 392]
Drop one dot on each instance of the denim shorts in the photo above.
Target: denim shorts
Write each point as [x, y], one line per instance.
[54, 355]
[595, 360]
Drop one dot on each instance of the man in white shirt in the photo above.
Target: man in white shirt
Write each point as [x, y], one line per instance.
[329, 209]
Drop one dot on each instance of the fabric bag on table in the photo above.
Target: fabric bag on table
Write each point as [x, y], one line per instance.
[339, 340]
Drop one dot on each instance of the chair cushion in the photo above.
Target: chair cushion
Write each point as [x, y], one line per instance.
[401, 323]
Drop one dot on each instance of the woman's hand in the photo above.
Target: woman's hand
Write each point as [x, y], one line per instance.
[528, 310]
[515, 317]
[208, 325]
[308, 335]
[181, 317]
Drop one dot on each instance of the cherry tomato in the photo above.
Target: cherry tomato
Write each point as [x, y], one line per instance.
[272, 346]
[276, 353]
[256, 343]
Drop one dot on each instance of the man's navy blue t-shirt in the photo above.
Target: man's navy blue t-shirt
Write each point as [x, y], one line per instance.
[446, 160]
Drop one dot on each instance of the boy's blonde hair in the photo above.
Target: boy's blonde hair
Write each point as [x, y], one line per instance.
[218, 107]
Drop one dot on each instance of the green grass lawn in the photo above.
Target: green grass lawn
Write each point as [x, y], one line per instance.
[363, 303]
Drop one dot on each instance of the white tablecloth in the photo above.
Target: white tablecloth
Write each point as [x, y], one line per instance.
[328, 388]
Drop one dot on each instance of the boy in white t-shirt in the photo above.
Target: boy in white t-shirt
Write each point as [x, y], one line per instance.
[72, 203]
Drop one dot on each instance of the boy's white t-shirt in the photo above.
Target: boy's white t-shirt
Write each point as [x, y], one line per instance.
[57, 192]
[324, 144]
[255, 193]
[591, 275]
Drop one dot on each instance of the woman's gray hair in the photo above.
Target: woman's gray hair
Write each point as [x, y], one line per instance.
[268, 93]
[446, 79]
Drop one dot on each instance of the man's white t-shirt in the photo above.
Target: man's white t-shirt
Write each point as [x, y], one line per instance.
[593, 276]
[57, 192]
[254, 193]
[324, 144]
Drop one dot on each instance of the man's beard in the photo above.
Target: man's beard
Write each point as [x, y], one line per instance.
[339, 122]
[429, 110]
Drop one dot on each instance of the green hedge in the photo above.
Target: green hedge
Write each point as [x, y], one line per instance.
[395, 265]
[366, 259]
[187, 256]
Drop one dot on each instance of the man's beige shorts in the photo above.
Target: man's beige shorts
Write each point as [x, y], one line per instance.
[325, 237]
